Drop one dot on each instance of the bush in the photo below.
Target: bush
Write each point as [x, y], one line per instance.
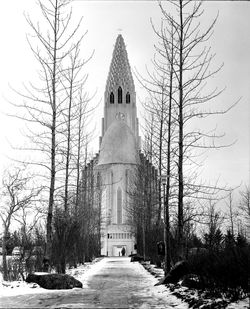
[14, 269]
[225, 269]
[65, 237]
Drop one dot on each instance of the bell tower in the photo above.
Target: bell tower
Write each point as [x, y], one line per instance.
[120, 96]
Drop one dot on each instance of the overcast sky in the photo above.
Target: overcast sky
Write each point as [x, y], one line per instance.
[104, 20]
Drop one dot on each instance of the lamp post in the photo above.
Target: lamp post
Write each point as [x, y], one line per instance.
[165, 182]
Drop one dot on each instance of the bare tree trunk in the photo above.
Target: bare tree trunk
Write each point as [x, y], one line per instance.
[160, 168]
[180, 157]
[78, 158]
[231, 212]
[68, 148]
[167, 201]
[143, 239]
[48, 252]
[5, 269]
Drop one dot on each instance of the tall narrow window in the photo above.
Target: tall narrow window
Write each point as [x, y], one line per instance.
[119, 95]
[98, 180]
[98, 191]
[119, 206]
[112, 98]
[128, 98]
[111, 198]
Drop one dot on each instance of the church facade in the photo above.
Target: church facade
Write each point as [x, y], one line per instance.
[119, 156]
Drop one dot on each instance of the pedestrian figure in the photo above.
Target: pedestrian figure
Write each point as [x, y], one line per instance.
[123, 251]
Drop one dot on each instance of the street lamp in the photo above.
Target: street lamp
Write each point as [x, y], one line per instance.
[165, 182]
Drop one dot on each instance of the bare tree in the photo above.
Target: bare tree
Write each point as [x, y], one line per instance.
[29, 218]
[73, 129]
[232, 212]
[81, 143]
[160, 87]
[55, 44]
[245, 206]
[16, 196]
[142, 207]
[186, 63]
[214, 219]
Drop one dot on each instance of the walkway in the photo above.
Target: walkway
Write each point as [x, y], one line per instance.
[111, 283]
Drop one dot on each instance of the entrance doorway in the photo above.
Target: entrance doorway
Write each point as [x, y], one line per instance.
[117, 250]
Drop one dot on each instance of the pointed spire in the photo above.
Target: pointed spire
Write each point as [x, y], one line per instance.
[119, 71]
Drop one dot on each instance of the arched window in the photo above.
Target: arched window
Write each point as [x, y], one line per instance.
[119, 206]
[119, 95]
[128, 98]
[112, 98]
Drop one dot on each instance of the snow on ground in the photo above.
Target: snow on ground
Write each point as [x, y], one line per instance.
[130, 284]
[161, 290]
[85, 272]
[159, 273]
[21, 287]
[242, 304]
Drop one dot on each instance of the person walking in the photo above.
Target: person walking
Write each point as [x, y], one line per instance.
[123, 251]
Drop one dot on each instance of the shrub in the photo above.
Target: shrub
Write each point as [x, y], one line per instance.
[225, 269]
[14, 269]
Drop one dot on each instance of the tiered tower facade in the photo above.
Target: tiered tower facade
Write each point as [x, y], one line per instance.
[118, 155]
[120, 96]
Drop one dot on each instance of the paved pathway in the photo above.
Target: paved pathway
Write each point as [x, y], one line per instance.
[113, 283]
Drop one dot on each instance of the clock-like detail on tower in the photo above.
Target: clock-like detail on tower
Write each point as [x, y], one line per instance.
[120, 116]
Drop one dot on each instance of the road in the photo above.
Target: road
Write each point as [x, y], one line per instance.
[113, 283]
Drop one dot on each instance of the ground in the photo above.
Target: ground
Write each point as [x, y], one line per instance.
[107, 283]
[197, 299]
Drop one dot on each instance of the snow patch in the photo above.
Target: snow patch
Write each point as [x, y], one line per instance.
[15, 288]
[245, 303]
[186, 293]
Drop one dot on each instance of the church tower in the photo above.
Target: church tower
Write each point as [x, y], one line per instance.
[120, 96]
[118, 155]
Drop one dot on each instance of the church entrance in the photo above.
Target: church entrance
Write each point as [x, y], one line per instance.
[117, 250]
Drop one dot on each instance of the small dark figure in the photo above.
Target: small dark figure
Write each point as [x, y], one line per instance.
[123, 251]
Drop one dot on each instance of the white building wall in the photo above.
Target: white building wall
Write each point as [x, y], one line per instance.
[113, 235]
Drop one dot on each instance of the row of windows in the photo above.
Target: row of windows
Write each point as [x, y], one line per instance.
[119, 96]
[119, 235]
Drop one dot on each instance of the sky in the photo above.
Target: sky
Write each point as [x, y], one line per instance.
[104, 20]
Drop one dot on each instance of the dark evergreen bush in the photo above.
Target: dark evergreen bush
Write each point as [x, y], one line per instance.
[225, 269]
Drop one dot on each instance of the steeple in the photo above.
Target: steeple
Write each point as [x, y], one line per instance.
[120, 96]
[119, 71]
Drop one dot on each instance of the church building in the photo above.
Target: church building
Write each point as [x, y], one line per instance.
[119, 155]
